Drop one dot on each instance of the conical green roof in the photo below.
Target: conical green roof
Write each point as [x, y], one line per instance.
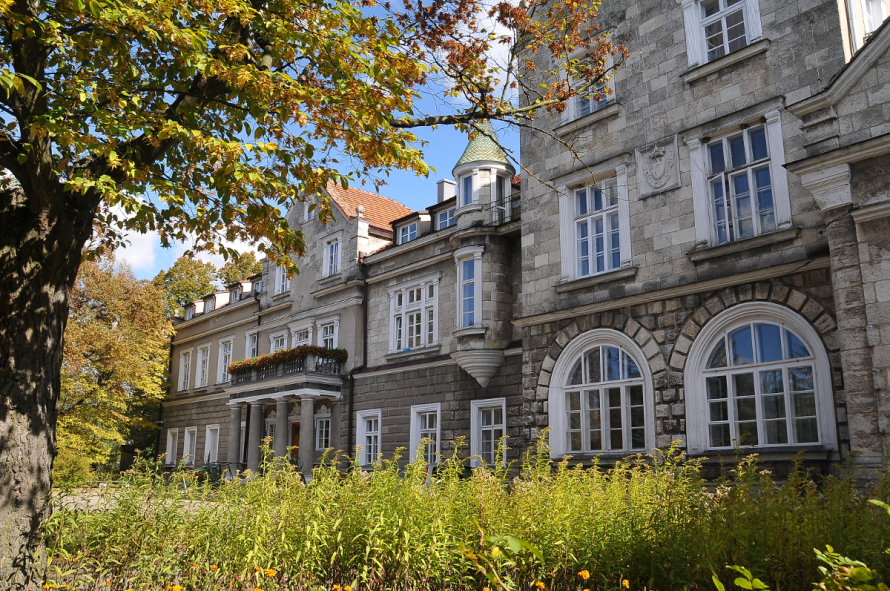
[483, 147]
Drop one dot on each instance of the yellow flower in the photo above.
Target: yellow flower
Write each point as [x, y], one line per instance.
[50, 586]
[584, 574]
[108, 582]
[213, 567]
[257, 589]
[625, 583]
[539, 585]
[485, 589]
[347, 588]
[335, 588]
[269, 572]
[195, 564]
[174, 587]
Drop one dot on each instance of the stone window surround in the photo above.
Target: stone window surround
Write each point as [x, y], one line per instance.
[360, 433]
[203, 350]
[580, 344]
[172, 447]
[571, 112]
[698, 161]
[185, 378]
[476, 407]
[327, 321]
[696, 405]
[211, 454]
[696, 47]
[282, 281]
[189, 445]
[461, 255]
[251, 335]
[296, 327]
[321, 416]
[422, 282]
[414, 429]
[222, 375]
[567, 238]
[328, 241]
[277, 335]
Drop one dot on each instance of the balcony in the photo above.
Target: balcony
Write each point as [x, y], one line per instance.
[504, 211]
[306, 365]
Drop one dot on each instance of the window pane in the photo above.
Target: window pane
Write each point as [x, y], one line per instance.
[741, 346]
[743, 383]
[575, 374]
[720, 435]
[737, 151]
[719, 411]
[801, 378]
[757, 138]
[715, 151]
[795, 347]
[720, 224]
[735, 30]
[748, 434]
[718, 356]
[746, 409]
[596, 440]
[573, 400]
[742, 199]
[469, 269]
[714, 39]
[593, 404]
[612, 363]
[593, 366]
[575, 441]
[774, 407]
[776, 432]
[632, 371]
[769, 342]
[710, 7]
[597, 198]
[716, 387]
[771, 381]
[806, 431]
[635, 393]
[581, 202]
[804, 405]
[467, 196]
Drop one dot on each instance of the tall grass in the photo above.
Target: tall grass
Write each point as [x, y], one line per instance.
[651, 522]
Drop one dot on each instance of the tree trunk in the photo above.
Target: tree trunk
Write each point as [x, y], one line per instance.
[41, 239]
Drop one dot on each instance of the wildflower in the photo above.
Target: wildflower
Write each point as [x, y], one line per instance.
[539, 585]
[174, 587]
[347, 588]
[50, 586]
[625, 583]
[213, 567]
[108, 582]
[336, 588]
[257, 589]
[269, 572]
[485, 589]
[584, 574]
[195, 564]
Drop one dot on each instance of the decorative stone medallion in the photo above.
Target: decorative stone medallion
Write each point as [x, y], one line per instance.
[658, 167]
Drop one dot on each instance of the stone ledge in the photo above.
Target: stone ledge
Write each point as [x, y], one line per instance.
[469, 331]
[743, 245]
[725, 61]
[577, 124]
[409, 352]
[874, 211]
[596, 280]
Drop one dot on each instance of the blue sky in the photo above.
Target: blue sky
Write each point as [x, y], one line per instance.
[445, 145]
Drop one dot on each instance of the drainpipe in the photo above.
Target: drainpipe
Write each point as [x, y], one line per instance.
[363, 269]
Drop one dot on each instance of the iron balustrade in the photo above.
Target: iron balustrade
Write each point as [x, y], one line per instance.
[308, 364]
[506, 210]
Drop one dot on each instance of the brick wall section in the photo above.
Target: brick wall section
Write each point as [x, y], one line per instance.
[665, 331]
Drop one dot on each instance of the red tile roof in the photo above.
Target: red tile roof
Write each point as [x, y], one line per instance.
[379, 210]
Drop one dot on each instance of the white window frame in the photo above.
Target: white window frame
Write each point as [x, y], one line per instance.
[568, 227]
[461, 255]
[322, 433]
[331, 263]
[225, 359]
[308, 215]
[280, 335]
[295, 331]
[418, 432]
[573, 107]
[471, 183]
[705, 234]
[694, 21]
[282, 281]
[447, 221]
[189, 446]
[401, 307]
[172, 447]
[697, 417]
[251, 344]
[332, 324]
[408, 232]
[210, 304]
[202, 377]
[235, 295]
[211, 444]
[189, 312]
[557, 395]
[185, 369]
[368, 456]
[476, 428]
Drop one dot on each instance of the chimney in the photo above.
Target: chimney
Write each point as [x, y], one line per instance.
[446, 189]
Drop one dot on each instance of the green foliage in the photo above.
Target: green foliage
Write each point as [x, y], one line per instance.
[236, 269]
[651, 522]
[186, 281]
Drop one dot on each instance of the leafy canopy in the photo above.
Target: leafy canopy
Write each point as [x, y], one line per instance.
[186, 281]
[237, 269]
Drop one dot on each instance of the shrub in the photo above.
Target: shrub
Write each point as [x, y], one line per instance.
[647, 522]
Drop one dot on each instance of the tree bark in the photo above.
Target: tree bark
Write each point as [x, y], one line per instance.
[42, 234]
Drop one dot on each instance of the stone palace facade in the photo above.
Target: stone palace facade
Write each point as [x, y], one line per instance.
[703, 257]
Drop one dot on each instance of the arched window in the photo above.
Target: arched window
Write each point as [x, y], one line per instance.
[600, 397]
[759, 376]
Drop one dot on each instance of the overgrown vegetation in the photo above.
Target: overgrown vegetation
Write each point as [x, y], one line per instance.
[649, 523]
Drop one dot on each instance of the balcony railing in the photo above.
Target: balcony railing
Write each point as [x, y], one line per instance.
[308, 364]
[506, 210]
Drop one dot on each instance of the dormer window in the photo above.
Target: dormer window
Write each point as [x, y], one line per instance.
[189, 312]
[209, 304]
[236, 295]
[408, 233]
[445, 219]
[258, 287]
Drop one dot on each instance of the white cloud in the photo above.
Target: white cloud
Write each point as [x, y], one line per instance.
[141, 252]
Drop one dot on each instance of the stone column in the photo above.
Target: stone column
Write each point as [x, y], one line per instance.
[307, 435]
[831, 190]
[254, 436]
[234, 453]
[279, 446]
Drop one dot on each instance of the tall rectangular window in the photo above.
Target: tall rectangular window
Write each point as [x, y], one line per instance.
[225, 358]
[488, 424]
[413, 315]
[724, 26]
[592, 97]
[283, 282]
[424, 432]
[466, 190]
[329, 335]
[468, 293]
[322, 434]
[190, 444]
[172, 446]
[740, 185]
[203, 363]
[211, 443]
[368, 435]
[332, 258]
[185, 369]
[252, 347]
[597, 229]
